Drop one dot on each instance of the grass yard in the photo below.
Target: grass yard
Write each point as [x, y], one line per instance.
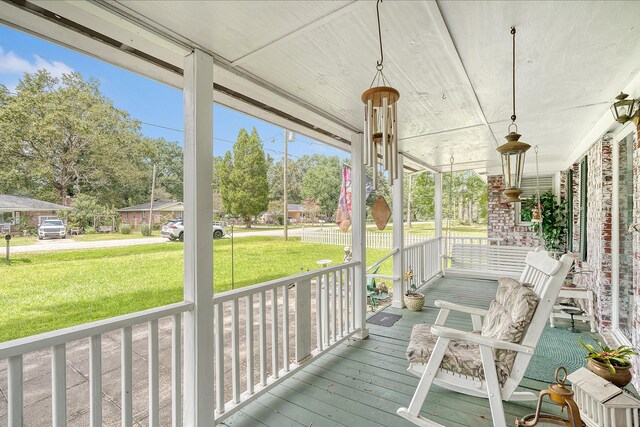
[428, 228]
[47, 291]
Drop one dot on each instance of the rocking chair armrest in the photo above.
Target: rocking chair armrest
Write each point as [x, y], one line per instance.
[443, 331]
[458, 307]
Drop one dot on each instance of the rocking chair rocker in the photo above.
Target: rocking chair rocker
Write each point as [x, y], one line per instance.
[507, 342]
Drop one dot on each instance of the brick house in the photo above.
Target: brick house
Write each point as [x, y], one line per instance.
[139, 214]
[14, 208]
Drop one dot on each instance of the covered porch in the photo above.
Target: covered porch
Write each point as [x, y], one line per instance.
[299, 350]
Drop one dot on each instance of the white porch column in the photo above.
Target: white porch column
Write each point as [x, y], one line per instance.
[398, 236]
[358, 233]
[198, 245]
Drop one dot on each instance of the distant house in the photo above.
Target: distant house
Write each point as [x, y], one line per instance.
[295, 214]
[14, 208]
[139, 214]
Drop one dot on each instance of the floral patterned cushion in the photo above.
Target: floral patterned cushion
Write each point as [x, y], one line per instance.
[508, 316]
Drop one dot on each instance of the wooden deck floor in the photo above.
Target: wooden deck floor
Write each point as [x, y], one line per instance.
[363, 383]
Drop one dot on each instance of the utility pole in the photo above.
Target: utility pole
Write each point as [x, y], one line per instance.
[153, 190]
[288, 137]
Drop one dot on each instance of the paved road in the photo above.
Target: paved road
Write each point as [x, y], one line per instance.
[69, 244]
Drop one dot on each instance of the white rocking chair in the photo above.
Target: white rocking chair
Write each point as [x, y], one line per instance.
[546, 276]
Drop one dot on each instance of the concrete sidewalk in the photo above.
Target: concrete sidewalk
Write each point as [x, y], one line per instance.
[69, 244]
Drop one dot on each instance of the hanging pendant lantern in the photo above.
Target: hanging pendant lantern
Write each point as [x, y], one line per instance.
[381, 120]
[513, 151]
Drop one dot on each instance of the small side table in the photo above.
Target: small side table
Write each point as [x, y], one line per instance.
[577, 294]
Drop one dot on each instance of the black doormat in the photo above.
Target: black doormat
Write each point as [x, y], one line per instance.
[383, 319]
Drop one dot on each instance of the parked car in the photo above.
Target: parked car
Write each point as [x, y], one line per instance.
[52, 228]
[174, 230]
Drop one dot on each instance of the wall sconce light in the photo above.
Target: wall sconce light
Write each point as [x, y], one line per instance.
[625, 109]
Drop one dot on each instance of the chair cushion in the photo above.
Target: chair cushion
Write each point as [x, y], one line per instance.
[461, 358]
[507, 319]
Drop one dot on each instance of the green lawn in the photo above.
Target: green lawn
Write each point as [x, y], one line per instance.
[48, 291]
[428, 228]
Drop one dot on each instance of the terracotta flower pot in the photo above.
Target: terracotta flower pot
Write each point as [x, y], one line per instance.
[621, 378]
[414, 302]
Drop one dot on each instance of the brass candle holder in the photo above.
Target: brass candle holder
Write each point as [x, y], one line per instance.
[561, 395]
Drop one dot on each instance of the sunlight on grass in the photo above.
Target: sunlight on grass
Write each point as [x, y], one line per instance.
[48, 291]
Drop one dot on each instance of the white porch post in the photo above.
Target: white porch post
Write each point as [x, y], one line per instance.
[438, 215]
[198, 245]
[398, 236]
[358, 234]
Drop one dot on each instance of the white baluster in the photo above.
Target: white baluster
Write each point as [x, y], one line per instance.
[126, 385]
[176, 362]
[95, 381]
[235, 351]
[15, 398]
[218, 316]
[263, 338]
[58, 386]
[249, 333]
[154, 374]
[274, 334]
[285, 327]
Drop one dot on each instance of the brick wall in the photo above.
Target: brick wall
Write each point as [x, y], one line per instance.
[501, 218]
[599, 199]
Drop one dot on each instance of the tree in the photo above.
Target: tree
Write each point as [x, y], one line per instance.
[62, 137]
[322, 182]
[243, 178]
[275, 179]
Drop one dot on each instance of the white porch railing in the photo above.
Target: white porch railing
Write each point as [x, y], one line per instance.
[333, 236]
[265, 332]
[15, 351]
[424, 258]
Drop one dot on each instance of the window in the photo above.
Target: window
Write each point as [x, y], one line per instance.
[529, 187]
[623, 288]
[6, 218]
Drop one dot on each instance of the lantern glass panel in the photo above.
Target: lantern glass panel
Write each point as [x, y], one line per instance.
[512, 168]
[622, 108]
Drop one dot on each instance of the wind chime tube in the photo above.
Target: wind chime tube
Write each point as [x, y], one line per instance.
[383, 129]
[365, 138]
[372, 144]
[375, 165]
[394, 149]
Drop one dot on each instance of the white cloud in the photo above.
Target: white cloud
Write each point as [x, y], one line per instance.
[12, 64]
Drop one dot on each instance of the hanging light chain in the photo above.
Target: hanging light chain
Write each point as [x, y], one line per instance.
[513, 70]
[379, 64]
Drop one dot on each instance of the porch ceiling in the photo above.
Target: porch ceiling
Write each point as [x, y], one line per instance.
[450, 60]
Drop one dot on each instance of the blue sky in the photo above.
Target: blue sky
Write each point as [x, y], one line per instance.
[157, 106]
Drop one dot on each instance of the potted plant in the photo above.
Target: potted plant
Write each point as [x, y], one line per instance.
[412, 298]
[614, 365]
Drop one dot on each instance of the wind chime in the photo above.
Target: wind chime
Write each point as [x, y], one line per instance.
[513, 151]
[381, 120]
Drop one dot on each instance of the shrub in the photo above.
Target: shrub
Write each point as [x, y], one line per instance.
[125, 228]
[156, 226]
[145, 230]
[89, 230]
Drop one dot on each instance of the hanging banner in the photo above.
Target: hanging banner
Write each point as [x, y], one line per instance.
[343, 217]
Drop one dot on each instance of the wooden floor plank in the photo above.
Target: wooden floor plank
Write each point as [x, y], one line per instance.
[364, 382]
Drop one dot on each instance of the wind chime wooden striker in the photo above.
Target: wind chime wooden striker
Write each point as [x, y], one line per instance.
[381, 120]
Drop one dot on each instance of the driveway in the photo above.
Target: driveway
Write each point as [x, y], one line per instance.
[70, 244]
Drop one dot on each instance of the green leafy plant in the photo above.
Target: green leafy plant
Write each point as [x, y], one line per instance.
[145, 230]
[89, 230]
[619, 356]
[125, 228]
[554, 220]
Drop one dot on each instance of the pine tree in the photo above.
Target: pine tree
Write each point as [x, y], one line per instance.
[243, 178]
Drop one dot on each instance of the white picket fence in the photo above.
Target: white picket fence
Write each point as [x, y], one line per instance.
[333, 236]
